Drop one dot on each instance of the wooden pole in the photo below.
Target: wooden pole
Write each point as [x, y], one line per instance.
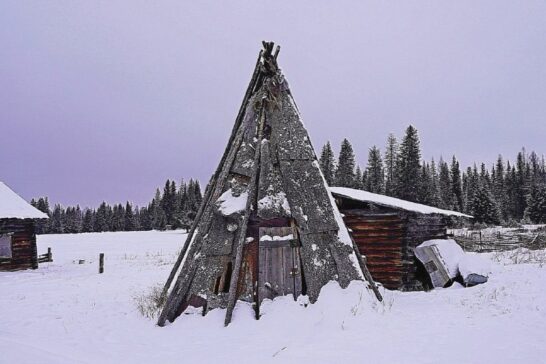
[252, 187]
[365, 271]
[49, 255]
[101, 263]
[212, 184]
[215, 186]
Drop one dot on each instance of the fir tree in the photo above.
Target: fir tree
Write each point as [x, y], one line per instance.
[426, 187]
[499, 187]
[483, 206]
[408, 166]
[536, 204]
[434, 185]
[345, 172]
[102, 218]
[327, 163]
[358, 179]
[456, 185]
[88, 221]
[129, 218]
[57, 219]
[376, 176]
[445, 188]
[391, 156]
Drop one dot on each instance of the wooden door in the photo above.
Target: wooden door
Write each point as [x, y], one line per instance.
[279, 263]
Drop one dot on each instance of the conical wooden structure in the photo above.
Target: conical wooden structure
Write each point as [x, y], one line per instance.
[268, 225]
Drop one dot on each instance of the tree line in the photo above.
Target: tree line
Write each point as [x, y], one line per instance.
[174, 207]
[504, 192]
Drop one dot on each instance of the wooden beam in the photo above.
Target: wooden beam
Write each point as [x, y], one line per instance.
[253, 187]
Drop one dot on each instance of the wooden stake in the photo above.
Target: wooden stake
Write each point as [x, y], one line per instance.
[365, 271]
[49, 255]
[232, 299]
[101, 263]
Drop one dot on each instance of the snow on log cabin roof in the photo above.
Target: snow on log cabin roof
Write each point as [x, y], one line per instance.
[17, 231]
[387, 201]
[13, 206]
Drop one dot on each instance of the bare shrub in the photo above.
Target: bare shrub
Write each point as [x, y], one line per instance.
[521, 256]
[150, 303]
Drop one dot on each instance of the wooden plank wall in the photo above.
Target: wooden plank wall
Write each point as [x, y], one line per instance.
[387, 237]
[419, 228]
[24, 253]
[379, 236]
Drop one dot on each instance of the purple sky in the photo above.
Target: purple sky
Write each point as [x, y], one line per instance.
[106, 100]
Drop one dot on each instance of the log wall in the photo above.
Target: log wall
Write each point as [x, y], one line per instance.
[387, 237]
[24, 252]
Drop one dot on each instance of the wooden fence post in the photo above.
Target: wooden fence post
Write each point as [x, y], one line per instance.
[49, 255]
[101, 263]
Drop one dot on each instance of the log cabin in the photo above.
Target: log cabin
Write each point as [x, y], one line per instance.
[386, 231]
[17, 231]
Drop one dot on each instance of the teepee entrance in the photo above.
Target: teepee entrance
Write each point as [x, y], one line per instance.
[280, 263]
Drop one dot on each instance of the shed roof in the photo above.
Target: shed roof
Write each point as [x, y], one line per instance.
[388, 201]
[14, 206]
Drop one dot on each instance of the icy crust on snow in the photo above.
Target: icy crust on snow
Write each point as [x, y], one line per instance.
[450, 252]
[277, 202]
[228, 204]
[14, 206]
[388, 201]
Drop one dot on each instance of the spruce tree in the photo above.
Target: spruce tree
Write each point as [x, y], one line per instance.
[88, 221]
[57, 219]
[483, 206]
[445, 188]
[358, 179]
[376, 175]
[434, 185]
[456, 185]
[499, 187]
[521, 185]
[327, 163]
[129, 218]
[345, 172]
[391, 156]
[426, 186]
[536, 204]
[408, 166]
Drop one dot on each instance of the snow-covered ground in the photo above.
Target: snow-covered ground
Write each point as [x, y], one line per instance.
[66, 312]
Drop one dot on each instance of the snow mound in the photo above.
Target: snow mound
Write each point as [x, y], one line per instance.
[474, 264]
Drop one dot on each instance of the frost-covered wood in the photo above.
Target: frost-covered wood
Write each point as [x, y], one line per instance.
[268, 175]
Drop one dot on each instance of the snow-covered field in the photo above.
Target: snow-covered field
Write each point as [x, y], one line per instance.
[66, 312]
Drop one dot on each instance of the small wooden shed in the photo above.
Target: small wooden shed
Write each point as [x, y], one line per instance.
[17, 231]
[387, 230]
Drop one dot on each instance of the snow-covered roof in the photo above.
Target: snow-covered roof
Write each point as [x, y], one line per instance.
[388, 201]
[13, 206]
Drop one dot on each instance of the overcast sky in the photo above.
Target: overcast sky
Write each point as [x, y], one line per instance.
[106, 100]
